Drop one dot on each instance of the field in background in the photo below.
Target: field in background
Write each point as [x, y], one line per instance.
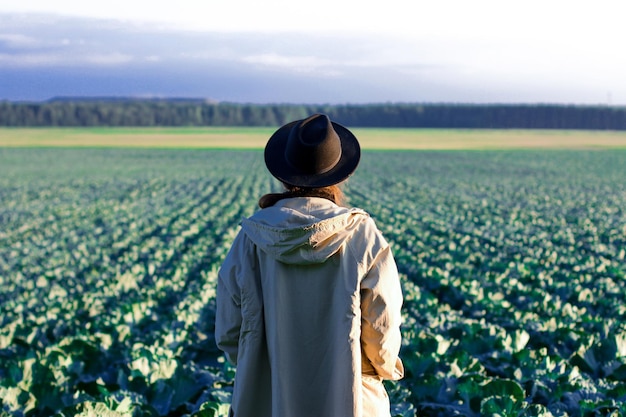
[254, 138]
[512, 262]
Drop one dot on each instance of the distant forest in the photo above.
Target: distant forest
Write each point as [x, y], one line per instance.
[189, 112]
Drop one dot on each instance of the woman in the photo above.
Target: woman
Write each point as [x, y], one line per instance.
[308, 297]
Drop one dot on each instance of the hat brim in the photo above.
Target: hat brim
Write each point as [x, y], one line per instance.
[282, 170]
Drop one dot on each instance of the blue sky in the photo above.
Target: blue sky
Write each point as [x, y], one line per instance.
[484, 51]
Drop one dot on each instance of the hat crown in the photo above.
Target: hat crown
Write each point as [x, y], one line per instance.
[313, 145]
[312, 153]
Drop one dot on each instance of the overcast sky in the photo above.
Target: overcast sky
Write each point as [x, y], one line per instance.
[327, 51]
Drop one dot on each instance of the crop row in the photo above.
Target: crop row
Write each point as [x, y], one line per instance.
[108, 288]
[512, 264]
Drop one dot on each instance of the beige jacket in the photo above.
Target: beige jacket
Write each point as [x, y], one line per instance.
[308, 309]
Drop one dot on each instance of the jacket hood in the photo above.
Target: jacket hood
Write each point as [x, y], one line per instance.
[302, 230]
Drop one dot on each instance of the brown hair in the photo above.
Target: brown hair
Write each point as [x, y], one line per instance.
[332, 193]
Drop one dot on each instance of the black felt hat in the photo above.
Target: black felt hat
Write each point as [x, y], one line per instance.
[312, 152]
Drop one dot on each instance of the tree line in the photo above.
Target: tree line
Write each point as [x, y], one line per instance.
[183, 112]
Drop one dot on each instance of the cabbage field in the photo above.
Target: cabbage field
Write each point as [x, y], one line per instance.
[513, 266]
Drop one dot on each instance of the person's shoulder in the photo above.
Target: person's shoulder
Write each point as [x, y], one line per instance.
[367, 221]
[368, 237]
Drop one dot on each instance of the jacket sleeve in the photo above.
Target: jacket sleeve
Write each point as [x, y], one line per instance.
[228, 316]
[381, 303]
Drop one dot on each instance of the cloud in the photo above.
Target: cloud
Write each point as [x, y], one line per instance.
[51, 59]
[17, 41]
[302, 64]
[48, 55]
[59, 41]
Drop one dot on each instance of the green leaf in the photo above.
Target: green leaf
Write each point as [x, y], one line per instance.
[599, 359]
[470, 390]
[535, 410]
[504, 388]
[212, 409]
[417, 364]
[500, 406]
[184, 387]
[17, 399]
[520, 338]
[99, 409]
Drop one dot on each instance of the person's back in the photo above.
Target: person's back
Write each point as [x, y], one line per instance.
[309, 310]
